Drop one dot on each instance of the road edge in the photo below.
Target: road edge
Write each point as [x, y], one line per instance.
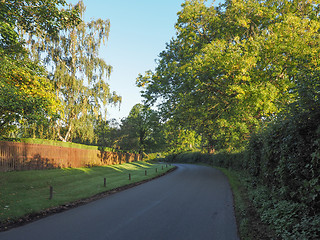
[54, 210]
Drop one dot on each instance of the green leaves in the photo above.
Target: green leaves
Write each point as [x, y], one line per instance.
[24, 94]
[52, 33]
[78, 73]
[33, 16]
[141, 130]
[231, 69]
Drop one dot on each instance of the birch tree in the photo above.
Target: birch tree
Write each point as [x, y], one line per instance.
[79, 75]
[26, 94]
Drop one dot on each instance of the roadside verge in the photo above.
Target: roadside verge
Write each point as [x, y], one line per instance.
[11, 222]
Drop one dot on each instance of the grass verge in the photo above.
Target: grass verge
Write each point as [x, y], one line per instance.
[249, 223]
[25, 194]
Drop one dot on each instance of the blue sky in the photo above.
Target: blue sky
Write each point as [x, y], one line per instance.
[139, 31]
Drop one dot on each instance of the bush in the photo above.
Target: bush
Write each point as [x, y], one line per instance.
[285, 157]
[284, 162]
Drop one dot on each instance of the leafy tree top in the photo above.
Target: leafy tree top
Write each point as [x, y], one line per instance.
[231, 68]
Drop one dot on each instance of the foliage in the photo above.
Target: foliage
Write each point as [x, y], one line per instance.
[79, 75]
[141, 130]
[25, 94]
[54, 34]
[57, 143]
[289, 219]
[288, 159]
[106, 132]
[220, 159]
[180, 140]
[284, 157]
[231, 69]
[32, 16]
[144, 131]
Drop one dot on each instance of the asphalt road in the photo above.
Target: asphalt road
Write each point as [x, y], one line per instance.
[193, 202]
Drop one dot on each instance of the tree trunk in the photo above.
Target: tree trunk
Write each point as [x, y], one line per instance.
[67, 136]
[211, 149]
[210, 146]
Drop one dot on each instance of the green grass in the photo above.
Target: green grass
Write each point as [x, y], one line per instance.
[27, 192]
[240, 203]
[57, 143]
[249, 222]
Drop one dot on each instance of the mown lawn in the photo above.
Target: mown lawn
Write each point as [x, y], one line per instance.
[27, 192]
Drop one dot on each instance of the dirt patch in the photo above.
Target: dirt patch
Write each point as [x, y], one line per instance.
[4, 226]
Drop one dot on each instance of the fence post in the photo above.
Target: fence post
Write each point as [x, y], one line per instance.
[129, 176]
[104, 182]
[51, 193]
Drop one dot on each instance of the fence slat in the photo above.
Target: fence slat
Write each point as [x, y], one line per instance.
[26, 156]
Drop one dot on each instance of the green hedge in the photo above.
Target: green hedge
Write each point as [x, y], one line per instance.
[222, 159]
[285, 157]
[283, 161]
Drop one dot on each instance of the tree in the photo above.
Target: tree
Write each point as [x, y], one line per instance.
[179, 139]
[32, 16]
[26, 94]
[141, 130]
[107, 132]
[79, 75]
[232, 68]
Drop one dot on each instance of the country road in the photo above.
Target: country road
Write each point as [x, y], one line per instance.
[193, 202]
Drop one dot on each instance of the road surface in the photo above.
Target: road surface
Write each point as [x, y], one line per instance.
[193, 202]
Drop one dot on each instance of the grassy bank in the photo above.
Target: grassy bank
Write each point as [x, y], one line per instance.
[27, 192]
[56, 143]
[249, 223]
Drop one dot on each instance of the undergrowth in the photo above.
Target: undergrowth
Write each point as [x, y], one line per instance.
[259, 206]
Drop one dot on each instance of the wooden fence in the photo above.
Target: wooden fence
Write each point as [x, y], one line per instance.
[25, 156]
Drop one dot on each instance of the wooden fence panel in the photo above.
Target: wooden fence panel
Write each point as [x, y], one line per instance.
[25, 156]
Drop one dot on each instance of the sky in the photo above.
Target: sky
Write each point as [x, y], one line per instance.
[139, 31]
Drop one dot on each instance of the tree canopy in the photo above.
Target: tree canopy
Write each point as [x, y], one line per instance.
[231, 68]
[25, 92]
[79, 75]
[142, 130]
[54, 81]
